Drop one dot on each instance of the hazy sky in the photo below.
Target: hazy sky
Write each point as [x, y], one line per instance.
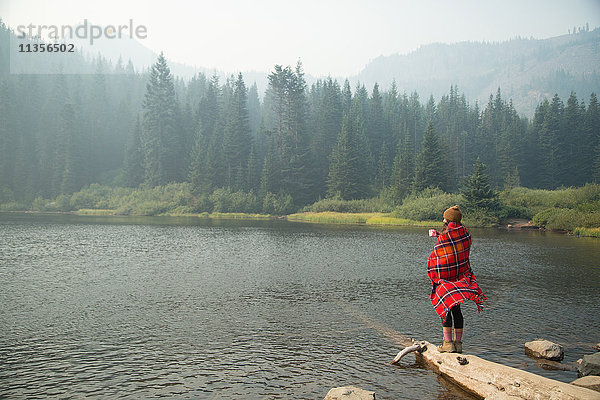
[330, 37]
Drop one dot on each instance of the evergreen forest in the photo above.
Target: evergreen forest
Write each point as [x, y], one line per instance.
[287, 148]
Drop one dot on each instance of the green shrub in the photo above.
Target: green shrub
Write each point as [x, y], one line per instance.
[6, 195]
[150, 208]
[245, 202]
[505, 212]
[591, 232]
[586, 195]
[429, 204]
[480, 218]
[13, 206]
[277, 204]
[537, 200]
[226, 201]
[566, 218]
[221, 200]
[350, 206]
[202, 204]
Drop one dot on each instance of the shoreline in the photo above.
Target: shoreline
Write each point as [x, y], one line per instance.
[376, 219]
[326, 218]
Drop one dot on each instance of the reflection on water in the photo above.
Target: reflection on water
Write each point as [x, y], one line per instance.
[188, 308]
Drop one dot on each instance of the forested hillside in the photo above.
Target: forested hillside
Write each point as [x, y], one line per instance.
[59, 133]
[527, 70]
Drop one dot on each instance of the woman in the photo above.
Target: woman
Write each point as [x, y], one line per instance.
[449, 270]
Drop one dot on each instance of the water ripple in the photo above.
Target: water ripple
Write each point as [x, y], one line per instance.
[91, 308]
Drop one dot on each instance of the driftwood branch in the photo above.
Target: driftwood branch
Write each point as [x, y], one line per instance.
[415, 347]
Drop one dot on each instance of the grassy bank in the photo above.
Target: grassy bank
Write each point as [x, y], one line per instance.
[89, 211]
[574, 210]
[589, 232]
[217, 215]
[171, 199]
[223, 215]
[332, 217]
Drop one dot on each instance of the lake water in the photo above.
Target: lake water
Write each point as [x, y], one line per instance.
[188, 308]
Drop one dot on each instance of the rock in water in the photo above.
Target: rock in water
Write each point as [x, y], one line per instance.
[590, 365]
[540, 348]
[349, 393]
[590, 382]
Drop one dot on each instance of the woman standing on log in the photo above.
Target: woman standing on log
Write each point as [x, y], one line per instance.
[449, 270]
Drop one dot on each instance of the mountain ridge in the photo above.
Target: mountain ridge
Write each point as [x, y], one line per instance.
[526, 70]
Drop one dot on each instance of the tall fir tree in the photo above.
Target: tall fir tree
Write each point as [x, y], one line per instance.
[402, 177]
[237, 140]
[134, 157]
[376, 129]
[552, 173]
[287, 92]
[431, 165]
[253, 175]
[477, 190]
[346, 98]
[573, 139]
[197, 175]
[254, 110]
[328, 123]
[69, 151]
[383, 168]
[346, 169]
[160, 139]
[592, 136]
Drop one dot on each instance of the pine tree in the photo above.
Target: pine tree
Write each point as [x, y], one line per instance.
[430, 166]
[477, 190]
[487, 139]
[69, 162]
[592, 137]
[403, 170]
[376, 129]
[160, 138]
[346, 98]
[383, 168]
[237, 140]
[270, 174]
[393, 114]
[254, 110]
[573, 138]
[512, 179]
[287, 97]
[346, 169]
[510, 142]
[532, 166]
[415, 122]
[208, 108]
[6, 130]
[553, 169]
[134, 157]
[360, 110]
[253, 176]
[328, 123]
[197, 174]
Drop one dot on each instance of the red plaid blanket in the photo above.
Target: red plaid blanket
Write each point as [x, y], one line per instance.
[449, 270]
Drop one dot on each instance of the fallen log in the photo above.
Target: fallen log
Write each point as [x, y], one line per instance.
[490, 380]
